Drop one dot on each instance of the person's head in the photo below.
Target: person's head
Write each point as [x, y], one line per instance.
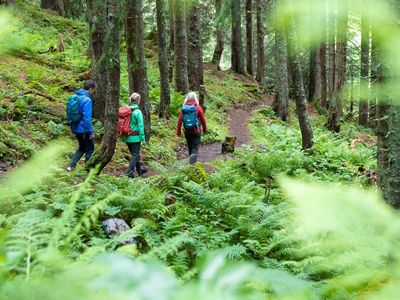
[191, 96]
[134, 98]
[89, 86]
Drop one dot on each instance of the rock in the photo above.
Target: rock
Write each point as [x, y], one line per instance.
[118, 226]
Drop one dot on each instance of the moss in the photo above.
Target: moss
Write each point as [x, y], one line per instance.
[197, 173]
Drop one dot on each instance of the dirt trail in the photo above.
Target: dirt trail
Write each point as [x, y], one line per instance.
[238, 126]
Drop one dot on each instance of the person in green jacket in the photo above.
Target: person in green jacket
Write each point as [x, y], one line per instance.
[134, 141]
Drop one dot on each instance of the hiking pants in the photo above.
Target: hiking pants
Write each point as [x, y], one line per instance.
[86, 147]
[193, 143]
[134, 149]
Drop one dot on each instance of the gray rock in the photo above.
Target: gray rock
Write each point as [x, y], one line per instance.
[117, 226]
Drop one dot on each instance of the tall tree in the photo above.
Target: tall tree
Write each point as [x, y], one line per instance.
[338, 54]
[171, 14]
[312, 73]
[97, 14]
[249, 36]
[181, 50]
[374, 78]
[163, 59]
[281, 104]
[388, 129]
[137, 71]
[260, 76]
[195, 47]
[297, 78]
[237, 44]
[219, 47]
[364, 73]
[107, 19]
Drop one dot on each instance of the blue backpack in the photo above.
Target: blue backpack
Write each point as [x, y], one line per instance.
[73, 109]
[190, 119]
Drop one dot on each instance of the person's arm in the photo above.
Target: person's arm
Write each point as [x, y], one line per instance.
[202, 118]
[140, 126]
[86, 121]
[179, 127]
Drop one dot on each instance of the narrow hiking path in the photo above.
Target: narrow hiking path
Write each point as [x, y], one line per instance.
[239, 117]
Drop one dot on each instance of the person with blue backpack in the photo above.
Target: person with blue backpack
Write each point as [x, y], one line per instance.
[79, 114]
[194, 122]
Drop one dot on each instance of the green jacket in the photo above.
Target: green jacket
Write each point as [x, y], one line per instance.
[136, 125]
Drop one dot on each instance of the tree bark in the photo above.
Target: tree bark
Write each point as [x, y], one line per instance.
[49, 4]
[137, 71]
[195, 48]
[219, 47]
[163, 59]
[97, 14]
[297, 78]
[312, 85]
[171, 38]
[364, 73]
[237, 44]
[181, 50]
[374, 78]
[281, 104]
[341, 60]
[260, 76]
[249, 36]
[322, 64]
[110, 51]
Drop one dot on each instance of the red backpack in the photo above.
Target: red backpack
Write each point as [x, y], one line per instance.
[124, 121]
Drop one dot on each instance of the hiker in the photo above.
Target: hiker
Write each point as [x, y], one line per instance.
[79, 114]
[194, 122]
[133, 136]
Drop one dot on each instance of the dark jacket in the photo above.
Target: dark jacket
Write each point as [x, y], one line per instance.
[200, 116]
[85, 108]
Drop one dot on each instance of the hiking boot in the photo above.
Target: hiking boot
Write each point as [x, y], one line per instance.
[68, 169]
[130, 174]
[142, 171]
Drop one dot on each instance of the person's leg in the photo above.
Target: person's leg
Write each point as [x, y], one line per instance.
[195, 149]
[189, 141]
[136, 149]
[133, 149]
[89, 147]
[79, 153]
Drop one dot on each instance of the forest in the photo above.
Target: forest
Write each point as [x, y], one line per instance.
[265, 135]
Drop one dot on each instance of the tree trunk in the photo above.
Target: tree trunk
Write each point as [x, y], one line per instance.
[312, 85]
[260, 76]
[393, 180]
[163, 59]
[219, 47]
[110, 50]
[364, 73]
[137, 71]
[316, 76]
[237, 45]
[297, 78]
[249, 36]
[97, 14]
[49, 4]
[322, 64]
[281, 104]
[195, 48]
[374, 77]
[341, 60]
[171, 38]
[181, 50]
